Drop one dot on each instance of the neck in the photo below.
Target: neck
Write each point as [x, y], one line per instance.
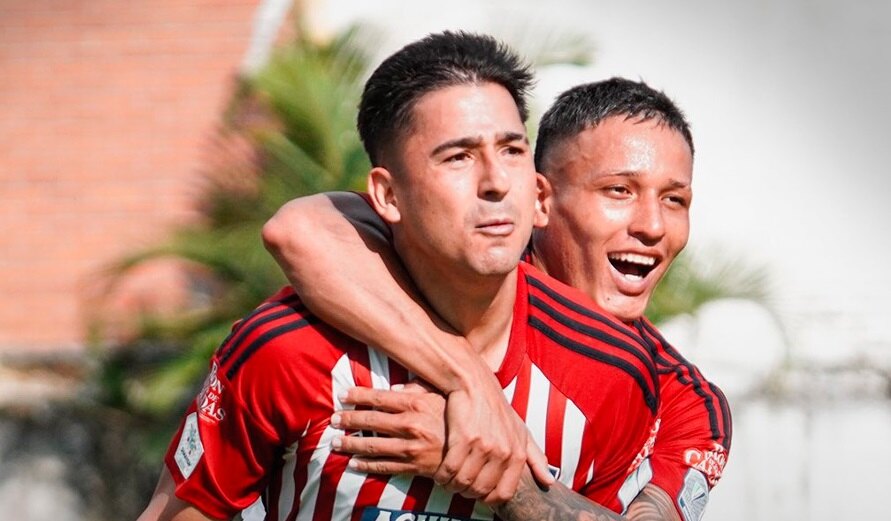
[478, 307]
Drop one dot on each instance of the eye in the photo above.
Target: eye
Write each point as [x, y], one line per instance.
[457, 157]
[617, 190]
[677, 200]
[515, 150]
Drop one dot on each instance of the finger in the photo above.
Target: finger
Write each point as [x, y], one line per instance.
[377, 421]
[371, 447]
[508, 482]
[451, 464]
[413, 387]
[484, 482]
[382, 466]
[385, 400]
[538, 464]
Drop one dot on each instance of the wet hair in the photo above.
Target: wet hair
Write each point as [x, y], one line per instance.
[585, 106]
[437, 61]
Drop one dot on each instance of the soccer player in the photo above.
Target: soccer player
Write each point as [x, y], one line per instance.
[619, 157]
[454, 180]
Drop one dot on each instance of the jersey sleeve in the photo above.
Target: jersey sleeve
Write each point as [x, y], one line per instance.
[220, 455]
[250, 406]
[693, 440]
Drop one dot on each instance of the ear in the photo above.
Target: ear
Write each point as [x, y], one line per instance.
[383, 197]
[543, 202]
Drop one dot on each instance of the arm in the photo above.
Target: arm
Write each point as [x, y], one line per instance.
[652, 504]
[556, 504]
[335, 251]
[693, 441]
[165, 506]
[412, 421]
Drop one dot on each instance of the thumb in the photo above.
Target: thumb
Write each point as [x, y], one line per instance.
[538, 464]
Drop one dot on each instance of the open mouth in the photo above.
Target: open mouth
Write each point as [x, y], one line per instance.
[632, 265]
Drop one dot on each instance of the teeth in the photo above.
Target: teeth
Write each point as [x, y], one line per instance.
[631, 276]
[633, 258]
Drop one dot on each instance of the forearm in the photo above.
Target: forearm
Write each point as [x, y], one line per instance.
[558, 503]
[652, 504]
[335, 252]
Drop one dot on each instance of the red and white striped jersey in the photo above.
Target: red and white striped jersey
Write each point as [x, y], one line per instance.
[585, 385]
[695, 429]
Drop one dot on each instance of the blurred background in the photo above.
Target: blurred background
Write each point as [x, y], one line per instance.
[143, 144]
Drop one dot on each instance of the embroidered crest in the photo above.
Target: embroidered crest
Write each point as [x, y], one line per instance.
[693, 496]
[190, 448]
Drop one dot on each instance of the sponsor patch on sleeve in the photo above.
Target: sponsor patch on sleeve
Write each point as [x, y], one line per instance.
[709, 462]
[190, 448]
[693, 496]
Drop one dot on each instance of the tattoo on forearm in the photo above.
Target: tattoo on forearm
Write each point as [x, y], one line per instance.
[652, 504]
[557, 504]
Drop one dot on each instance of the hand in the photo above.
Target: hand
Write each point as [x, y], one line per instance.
[412, 417]
[488, 446]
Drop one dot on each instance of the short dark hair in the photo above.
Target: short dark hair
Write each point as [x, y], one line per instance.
[585, 106]
[437, 61]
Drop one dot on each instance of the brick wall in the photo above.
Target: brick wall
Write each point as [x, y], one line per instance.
[106, 105]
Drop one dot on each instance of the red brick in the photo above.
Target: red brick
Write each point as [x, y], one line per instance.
[101, 143]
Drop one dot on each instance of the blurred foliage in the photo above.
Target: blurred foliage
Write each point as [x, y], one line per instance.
[288, 131]
[693, 281]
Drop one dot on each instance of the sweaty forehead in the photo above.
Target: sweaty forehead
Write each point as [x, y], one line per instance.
[618, 144]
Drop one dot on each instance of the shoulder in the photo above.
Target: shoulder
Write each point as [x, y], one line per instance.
[280, 335]
[575, 339]
[693, 408]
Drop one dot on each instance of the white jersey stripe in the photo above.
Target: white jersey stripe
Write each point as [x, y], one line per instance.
[573, 427]
[286, 494]
[537, 409]
[395, 492]
[510, 389]
[482, 512]
[347, 488]
[352, 481]
[380, 369]
[439, 501]
[341, 380]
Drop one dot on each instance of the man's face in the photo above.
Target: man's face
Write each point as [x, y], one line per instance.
[463, 183]
[619, 213]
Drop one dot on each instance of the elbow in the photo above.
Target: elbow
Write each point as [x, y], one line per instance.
[282, 231]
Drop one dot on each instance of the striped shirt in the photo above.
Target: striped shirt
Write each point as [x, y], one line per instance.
[585, 385]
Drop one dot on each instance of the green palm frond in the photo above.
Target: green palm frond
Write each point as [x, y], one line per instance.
[692, 282]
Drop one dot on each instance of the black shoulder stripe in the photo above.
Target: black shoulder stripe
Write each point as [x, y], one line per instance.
[580, 309]
[649, 397]
[249, 324]
[708, 398]
[263, 339]
[575, 325]
[725, 415]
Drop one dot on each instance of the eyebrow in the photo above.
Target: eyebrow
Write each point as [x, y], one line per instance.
[472, 142]
[674, 183]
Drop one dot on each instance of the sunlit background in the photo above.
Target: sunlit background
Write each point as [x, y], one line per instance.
[116, 113]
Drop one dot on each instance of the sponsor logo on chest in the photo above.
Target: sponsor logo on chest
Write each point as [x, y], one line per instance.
[381, 514]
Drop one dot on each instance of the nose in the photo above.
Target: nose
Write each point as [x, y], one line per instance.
[648, 224]
[494, 181]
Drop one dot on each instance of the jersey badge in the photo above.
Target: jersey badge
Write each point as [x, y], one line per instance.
[190, 448]
[693, 496]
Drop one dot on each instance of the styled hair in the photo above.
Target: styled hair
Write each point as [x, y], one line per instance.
[585, 106]
[437, 61]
